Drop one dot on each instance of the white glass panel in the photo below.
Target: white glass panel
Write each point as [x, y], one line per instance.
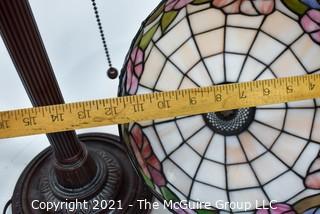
[306, 159]
[186, 56]
[169, 136]
[251, 70]
[201, 140]
[278, 25]
[234, 151]
[316, 127]
[266, 74]
[251, 146]
[306, 50]
[206, 20]
[215, 67]
[210, 42]
[264, 134]
[148, 51]
[272, 117]
[299, 122]
[241, 176]
[157, 35]
[268, 167]
[239, 40]
[153, 139]
[200, 75]
[174, 38]
[234, 64]
[202, 192]
[266, 48]
[170, 78]
[190, 164]
[290, 185]
[143, 90]
[194, 8]
[216, 149]
[152, 68]
[287, 65]
[175, 176]
[187, 83]
[245, 21]
[315, 166]
[251, 196]
[288, 148]
[190, 125]
[212, 173]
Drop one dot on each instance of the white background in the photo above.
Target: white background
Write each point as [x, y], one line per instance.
[73, 43]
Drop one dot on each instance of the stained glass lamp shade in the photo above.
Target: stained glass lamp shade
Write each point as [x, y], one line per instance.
[257, 155]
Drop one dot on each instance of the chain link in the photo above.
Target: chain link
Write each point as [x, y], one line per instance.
[106, 50]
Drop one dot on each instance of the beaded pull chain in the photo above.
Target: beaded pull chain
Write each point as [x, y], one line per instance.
[111, 72]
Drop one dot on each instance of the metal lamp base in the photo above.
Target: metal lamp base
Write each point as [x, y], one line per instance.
[116, 187]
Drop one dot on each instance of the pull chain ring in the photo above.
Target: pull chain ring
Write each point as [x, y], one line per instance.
[111, 72]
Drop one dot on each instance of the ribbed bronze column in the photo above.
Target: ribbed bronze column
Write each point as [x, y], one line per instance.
[74, 167]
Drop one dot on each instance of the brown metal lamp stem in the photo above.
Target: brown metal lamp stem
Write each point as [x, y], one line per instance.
[74, 167]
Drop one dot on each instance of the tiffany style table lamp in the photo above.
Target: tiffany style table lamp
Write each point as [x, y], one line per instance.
[265, 156]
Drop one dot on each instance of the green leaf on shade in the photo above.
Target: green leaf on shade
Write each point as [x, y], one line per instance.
[296, 6]
[138, 38]
[147, 180]
[169, 195]
[201, 1]
[126, 134]
[155, 14]
[167, 19]
[146, 38]
[206, 211]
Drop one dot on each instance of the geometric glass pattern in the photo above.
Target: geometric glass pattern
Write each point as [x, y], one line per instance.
[266, 156]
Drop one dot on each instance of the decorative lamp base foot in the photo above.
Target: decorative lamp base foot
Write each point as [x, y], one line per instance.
[116, 187]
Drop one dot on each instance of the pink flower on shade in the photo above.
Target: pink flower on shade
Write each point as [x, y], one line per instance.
[311, 24]
[248, 7]
[176, 4]
[184, 211]
[134, 70]
[147, 160]
[277, 209]
[313, 181]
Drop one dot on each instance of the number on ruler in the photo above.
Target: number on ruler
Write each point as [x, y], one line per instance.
[266, 92]
[218, 97]
[4, 124]
[289, 89]
[311, 86]
[84, 114]
[29, 121]
[138, 107]
[57, 117]
[242, 95]
[111, 111]
[193, 101]
[165, 104]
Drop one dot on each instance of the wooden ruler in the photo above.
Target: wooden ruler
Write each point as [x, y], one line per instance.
[126, 109]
